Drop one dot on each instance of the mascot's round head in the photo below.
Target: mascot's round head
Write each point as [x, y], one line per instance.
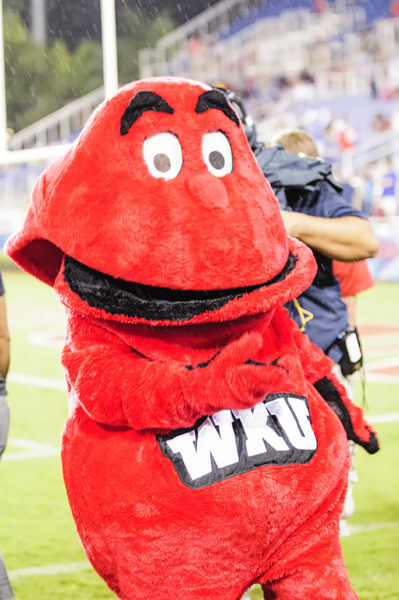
[159, 214]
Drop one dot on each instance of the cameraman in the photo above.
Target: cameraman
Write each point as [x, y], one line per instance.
[317, 210]
[325, 220]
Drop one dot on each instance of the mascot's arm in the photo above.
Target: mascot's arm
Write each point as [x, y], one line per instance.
[119, 387]
[318, 371]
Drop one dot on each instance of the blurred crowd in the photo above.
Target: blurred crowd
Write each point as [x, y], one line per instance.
[339, 128]
[376, 188]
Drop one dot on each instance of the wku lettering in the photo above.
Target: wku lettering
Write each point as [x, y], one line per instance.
[276, 431]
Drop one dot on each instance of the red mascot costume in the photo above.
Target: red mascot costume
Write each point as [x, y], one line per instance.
[206, 448]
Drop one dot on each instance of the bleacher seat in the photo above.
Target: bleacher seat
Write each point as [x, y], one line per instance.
[267, 10]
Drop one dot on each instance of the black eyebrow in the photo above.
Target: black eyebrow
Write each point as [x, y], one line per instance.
[139, 104]
[215, 99]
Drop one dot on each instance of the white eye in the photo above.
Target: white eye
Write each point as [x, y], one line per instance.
[217, 154]
[163, 155]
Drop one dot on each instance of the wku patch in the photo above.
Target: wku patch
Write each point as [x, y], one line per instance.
[276, 431]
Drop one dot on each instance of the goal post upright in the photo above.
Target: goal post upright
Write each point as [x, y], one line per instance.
[109, 44]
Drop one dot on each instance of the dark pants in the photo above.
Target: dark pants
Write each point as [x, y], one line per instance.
[6, 592]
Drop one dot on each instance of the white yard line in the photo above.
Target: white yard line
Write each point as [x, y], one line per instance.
[38, 450]
[27, 444]
[380, 378]
[59, 384]
[75, 567]
[33, 450]
[383, 363]
[59, 569]
[33, 380]
[365, 528]
[13, 456]
[386, 418]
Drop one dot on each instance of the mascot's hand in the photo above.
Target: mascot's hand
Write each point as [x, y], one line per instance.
[318, 371]
[233, 378]
[351, 416]
[113, 384]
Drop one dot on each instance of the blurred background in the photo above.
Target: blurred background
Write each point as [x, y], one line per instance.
[328, 66]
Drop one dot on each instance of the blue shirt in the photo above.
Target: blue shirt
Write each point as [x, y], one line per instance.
[323, 298]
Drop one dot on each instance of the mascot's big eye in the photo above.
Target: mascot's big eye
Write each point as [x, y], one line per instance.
[163, 155]
[217, 153]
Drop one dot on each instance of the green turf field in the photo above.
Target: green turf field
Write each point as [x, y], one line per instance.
[37, 533]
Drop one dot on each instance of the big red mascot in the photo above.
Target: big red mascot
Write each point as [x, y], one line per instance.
[203, 452]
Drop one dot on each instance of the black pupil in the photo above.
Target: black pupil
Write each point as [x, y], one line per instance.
[216, 159]
[162, 162]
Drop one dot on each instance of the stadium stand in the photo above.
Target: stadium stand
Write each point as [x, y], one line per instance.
[328, 66]
[268, 10]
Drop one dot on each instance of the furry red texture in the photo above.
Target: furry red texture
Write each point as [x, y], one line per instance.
[172, 395]
[324, 558]
[117, 193]
[142, 528]
[272, 461]
[262, 300]
[101, 206]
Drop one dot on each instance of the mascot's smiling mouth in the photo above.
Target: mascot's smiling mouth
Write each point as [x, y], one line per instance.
[120, 297]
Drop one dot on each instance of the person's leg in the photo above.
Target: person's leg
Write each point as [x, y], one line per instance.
[349, 506]
[4, 422]
[6, 592]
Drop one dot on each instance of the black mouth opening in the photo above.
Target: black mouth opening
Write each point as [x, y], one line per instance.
[120, 297]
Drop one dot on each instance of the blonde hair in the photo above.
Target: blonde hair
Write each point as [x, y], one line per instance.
[298, 141]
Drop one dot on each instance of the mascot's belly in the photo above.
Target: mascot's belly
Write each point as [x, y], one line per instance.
[248, 479]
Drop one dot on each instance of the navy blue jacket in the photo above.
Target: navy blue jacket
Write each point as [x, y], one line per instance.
[305, 185]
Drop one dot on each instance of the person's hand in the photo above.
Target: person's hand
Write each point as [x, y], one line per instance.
[348, 238]
[292, 221]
